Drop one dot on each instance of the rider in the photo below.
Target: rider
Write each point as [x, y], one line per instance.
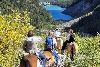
[53, 45]
[29, 45]
[57, 33]
[70, 38]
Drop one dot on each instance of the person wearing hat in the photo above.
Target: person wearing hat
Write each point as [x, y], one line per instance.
[57, 33]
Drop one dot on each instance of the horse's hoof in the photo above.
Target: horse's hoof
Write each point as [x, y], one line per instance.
[72, 59]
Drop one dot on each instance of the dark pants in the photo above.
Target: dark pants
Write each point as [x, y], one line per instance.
[65, 44]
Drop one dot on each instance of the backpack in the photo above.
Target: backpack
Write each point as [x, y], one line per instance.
[72, 38]
[49, 42]
[27, 46]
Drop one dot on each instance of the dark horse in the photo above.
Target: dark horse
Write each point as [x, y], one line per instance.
[72, 49]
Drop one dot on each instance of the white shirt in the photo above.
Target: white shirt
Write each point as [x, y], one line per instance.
[54, 41]
[57, 33]
[30, 39]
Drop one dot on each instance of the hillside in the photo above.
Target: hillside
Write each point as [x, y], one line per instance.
[38, 15]
[87, 20]
[17, 18]
[89, 24]
[81, 7]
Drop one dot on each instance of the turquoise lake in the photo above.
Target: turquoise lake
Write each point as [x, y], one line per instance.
[56, 12]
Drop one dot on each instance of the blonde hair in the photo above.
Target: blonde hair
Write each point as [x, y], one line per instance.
[70, 31]
[51, 33]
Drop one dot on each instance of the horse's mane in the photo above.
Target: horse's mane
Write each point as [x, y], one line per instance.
[27, 60]
[49, 50]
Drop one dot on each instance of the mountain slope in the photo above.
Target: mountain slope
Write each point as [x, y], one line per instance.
[39, 16]
[80, 8]
[88, 18]
[89, 24]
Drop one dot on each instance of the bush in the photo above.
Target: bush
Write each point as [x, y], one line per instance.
[89, 52]
[13, 29]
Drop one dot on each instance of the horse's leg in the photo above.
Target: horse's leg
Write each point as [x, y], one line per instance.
[76, 50]
[59, 51]
[72, 52]
[60, 46]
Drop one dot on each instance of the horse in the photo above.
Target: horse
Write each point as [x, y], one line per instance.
[59, 44]
[31, 60]
[72, 49]
[51, 58]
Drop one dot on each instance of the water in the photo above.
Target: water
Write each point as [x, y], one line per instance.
[56, 12]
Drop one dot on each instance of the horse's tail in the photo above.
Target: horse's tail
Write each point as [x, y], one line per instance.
[72, 52]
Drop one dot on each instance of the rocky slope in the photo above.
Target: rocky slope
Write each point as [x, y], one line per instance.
[80, 8]
[89, 22]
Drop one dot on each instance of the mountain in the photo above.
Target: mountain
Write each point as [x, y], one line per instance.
[81, 7]
[90, 23]
[88, 17]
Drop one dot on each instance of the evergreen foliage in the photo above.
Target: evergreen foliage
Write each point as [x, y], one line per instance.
[38, 15]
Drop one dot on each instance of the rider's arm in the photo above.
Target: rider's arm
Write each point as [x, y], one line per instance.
[24, 45]
[54, 42]
[68, 37]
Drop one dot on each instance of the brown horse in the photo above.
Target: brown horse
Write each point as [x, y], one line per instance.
[72, 49]
[49, 55]
[31, 60]
[59, 44]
